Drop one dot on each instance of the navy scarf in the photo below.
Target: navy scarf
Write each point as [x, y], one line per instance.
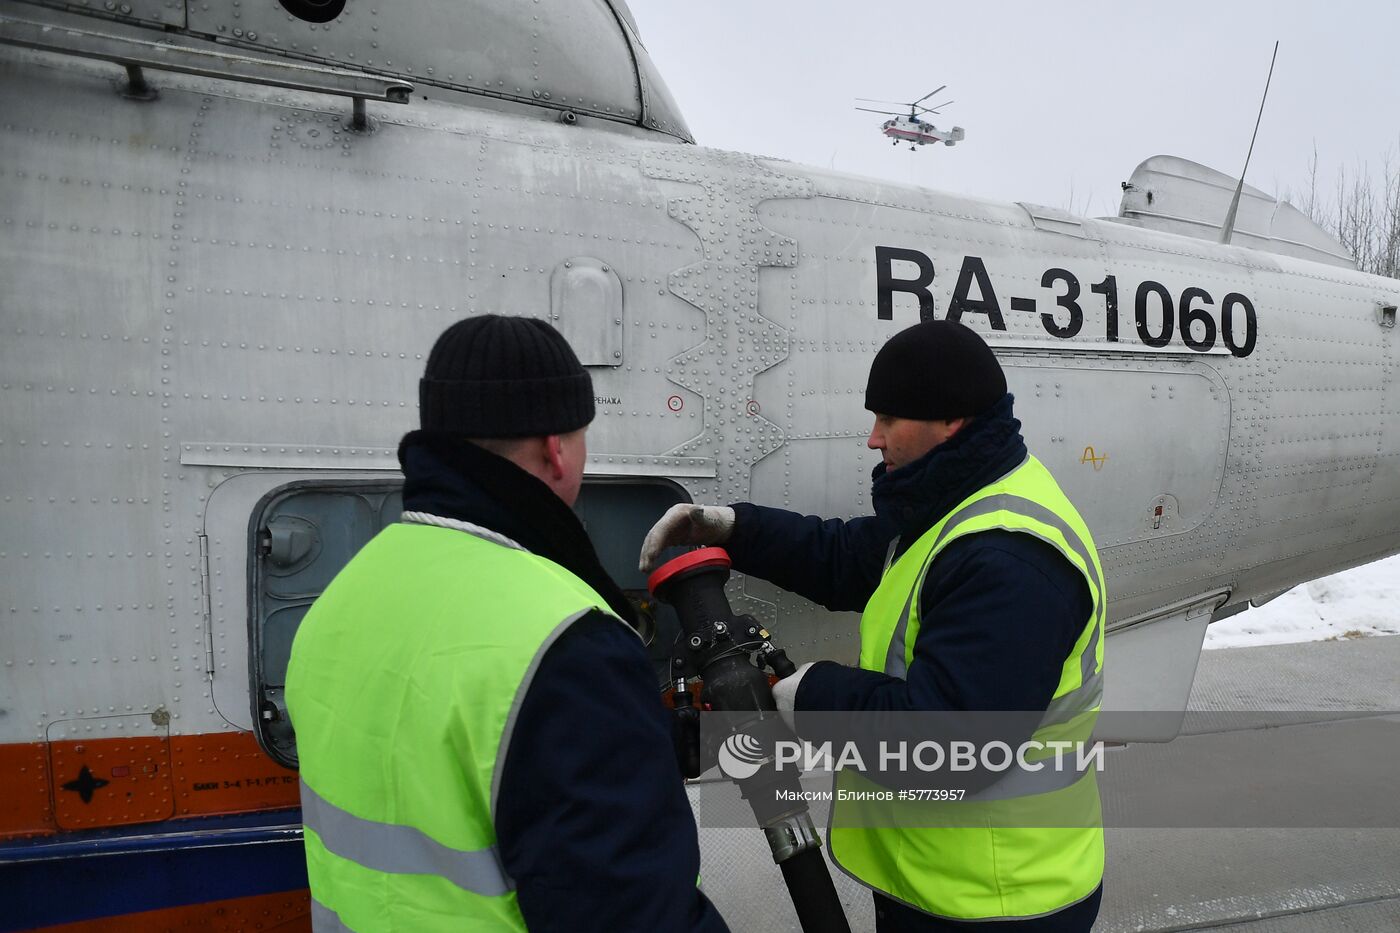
[918, 495]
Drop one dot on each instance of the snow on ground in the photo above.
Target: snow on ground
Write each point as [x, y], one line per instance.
[1356, 603]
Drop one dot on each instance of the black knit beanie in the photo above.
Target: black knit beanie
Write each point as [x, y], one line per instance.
[934, 371]
[495, 376]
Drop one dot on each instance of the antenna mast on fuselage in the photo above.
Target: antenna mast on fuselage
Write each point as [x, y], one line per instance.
[1228, 229]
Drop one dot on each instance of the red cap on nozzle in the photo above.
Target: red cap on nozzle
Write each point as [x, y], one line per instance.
[702, 557]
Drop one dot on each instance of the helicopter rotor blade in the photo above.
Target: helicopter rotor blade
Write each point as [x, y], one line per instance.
[930, 94]
[937, 108]
[889, 112]
[897, 103]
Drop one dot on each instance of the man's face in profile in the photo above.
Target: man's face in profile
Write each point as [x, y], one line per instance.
[901, 441]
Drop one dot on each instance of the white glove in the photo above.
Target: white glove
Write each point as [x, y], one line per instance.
[686, 524]
[785, 693]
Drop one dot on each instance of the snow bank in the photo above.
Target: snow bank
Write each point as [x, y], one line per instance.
[1354, 604]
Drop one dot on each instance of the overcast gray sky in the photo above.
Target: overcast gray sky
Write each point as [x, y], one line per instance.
[1053, 95]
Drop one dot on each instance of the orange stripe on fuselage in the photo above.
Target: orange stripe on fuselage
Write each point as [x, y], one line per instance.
[288, 912]
[129, 781]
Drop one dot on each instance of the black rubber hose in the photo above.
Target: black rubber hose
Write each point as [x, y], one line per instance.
[813, 893]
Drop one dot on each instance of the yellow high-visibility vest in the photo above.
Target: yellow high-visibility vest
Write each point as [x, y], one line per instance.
[404, 683]
[1032, 843]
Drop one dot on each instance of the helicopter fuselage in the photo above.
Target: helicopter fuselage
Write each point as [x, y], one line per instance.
[218, 302]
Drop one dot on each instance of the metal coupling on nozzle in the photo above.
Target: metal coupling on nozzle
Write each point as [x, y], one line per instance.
[792, 835]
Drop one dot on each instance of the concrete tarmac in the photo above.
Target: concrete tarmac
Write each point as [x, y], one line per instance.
[1276, 810]
[1292, 828]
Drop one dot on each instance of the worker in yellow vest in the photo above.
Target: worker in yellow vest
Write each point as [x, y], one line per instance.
[482, 743]
[981, 590]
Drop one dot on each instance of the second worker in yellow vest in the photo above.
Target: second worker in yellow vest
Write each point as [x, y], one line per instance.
[981, 590]
[481, 738]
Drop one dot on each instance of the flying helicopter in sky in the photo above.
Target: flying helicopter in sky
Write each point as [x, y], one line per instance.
[230, 233]
[909, 127]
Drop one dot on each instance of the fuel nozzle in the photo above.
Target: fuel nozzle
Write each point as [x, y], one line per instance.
[729, 651]
[726, 650]
[693, 585]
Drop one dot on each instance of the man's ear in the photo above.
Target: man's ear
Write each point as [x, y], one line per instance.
[956, 424]
[554, 456]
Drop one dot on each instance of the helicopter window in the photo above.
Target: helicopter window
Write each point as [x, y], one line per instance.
[303, 533]
[314, 11]
[301, 536]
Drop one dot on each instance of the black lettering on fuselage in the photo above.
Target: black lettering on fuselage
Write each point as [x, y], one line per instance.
[973, 269]
[1193, 321]
[886, 284]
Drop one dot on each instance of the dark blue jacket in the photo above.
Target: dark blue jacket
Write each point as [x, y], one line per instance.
[592, 817]
[1000, 611]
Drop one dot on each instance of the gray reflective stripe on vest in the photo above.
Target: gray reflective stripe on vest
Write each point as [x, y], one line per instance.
[1026, 783]
[894, 658]
[325, 920]
[402, 850]
[525, 681]
[889, 555]
[1019, 505]
[1080, 700]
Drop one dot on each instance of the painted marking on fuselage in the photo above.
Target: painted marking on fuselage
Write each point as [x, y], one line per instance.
[1191, 319]
[85, 784]
[42, 785]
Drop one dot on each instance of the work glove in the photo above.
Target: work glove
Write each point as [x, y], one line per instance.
[785, 694]
[686, 524]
